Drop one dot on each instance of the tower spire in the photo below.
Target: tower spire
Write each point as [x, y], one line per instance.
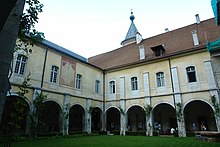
[132, 16]
[132, 32]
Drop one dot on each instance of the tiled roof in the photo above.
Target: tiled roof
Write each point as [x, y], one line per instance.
[176, 41]
[132, 31]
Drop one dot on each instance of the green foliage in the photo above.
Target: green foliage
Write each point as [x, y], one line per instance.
[19, 105]
[11, 131]
[148, 110]
[122, 111]
[23, 88]
[90, 109]
[27, 34]
[116, 141]
[215, 105]
[66, 112]
[35, 116]
[179, 113]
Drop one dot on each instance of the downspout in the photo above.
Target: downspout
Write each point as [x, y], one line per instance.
[45, 60]
[171, 77]
[104, 115]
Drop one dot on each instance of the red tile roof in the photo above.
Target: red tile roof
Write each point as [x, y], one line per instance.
[174, 42]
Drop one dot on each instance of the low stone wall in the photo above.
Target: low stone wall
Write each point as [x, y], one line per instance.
[209, 136]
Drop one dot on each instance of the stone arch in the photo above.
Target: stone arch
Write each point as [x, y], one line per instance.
[56, 101]
[199, 112]
[134, 105]
[96, 117]
[16, 95]
[51, 117]
[164, 115]
[136, 120]
[76, 118]
[112, 107]
[113, 118]
[10, 107]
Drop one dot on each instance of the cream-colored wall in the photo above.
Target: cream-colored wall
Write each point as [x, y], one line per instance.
[34, 66]
[163, 66]
[53, 58]
[189, 91]
[57, 91]
[89, 76]
[196, 60]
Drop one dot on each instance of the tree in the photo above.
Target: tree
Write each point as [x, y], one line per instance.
[17, 25]
[35, 116]
[8, 36]
[5, 8]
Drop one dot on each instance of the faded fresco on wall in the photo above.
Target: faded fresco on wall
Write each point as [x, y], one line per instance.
[67, 72]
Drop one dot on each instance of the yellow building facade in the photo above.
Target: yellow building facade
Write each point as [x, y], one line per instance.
[149, 85]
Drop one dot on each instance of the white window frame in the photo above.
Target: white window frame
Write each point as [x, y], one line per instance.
[97, 86]
[21, 63]
[112, 87]
[160, 78]
[142, 52]
[195, 38]
[78, 81]
[54, 74]
[134, 83]
[191, 70]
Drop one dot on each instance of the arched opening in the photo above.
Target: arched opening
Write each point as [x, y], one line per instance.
[76, 118]
[113, 119]
[15, 112]
[164, 118]
[51, 118]
[136, 119]
[197, 113]
[96, 119]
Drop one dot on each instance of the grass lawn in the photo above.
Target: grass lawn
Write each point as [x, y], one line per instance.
[116, 141]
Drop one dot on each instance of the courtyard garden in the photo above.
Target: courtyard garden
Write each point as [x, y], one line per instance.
[113, 141]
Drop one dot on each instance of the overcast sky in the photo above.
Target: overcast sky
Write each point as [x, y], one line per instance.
[92, 27]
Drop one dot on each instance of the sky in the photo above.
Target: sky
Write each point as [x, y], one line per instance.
[92, 27]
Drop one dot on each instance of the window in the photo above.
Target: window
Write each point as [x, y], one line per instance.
[20, 64]
[195, 37]
[158, 50]
[78, 81]
[134, 83]
[141, 52]
[112, 87]
[191, 74]
[97, 86]
[160, 79]
[54, 74]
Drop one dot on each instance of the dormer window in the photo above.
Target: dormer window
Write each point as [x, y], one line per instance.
[158, 50]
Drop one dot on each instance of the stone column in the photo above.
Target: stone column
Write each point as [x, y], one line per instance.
[213, 89]
[122, 106]
[147, 99]
[178, 103]
[66, 107]
[88, 120]
[32, 108]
